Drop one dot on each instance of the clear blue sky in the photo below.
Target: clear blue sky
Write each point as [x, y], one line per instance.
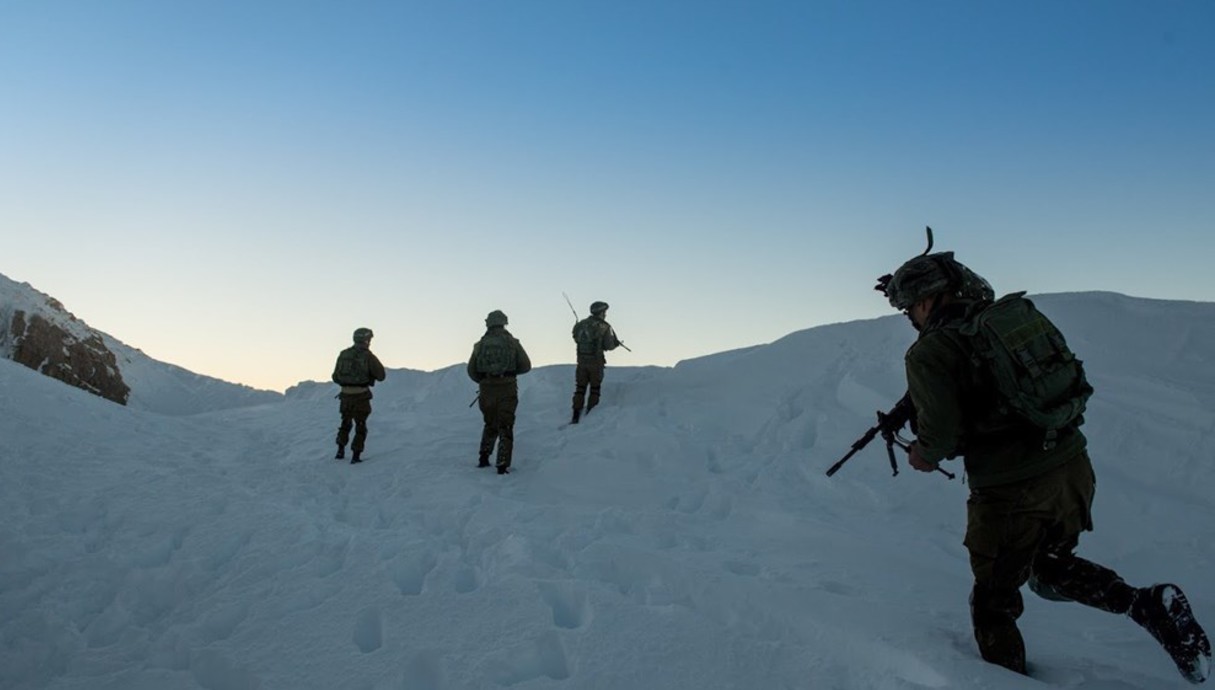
[235, 186]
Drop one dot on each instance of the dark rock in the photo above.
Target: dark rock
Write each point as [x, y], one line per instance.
[85, 363]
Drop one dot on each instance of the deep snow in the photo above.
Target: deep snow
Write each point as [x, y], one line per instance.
[683, 537]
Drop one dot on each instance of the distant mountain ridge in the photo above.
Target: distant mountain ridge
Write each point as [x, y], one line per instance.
[860, 359]
[37, 331]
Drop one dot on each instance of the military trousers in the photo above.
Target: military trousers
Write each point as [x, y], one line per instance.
[355, 409]
[1027, 532]
[498, 402]
[588, 375]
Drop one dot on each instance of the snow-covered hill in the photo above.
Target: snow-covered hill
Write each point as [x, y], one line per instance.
[154, 385]
[682, 537]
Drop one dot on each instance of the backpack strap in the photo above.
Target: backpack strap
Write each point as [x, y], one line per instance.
[1028, 361]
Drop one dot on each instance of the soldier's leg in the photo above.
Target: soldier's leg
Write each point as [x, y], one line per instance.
[1058, 574]
[993, 614]
[343, 433]
[360, 411]
[489, 430]
[581, 380]
[595, 379]
[1011, 528]
[1161, 609]
[506, 427]
[1001, 537]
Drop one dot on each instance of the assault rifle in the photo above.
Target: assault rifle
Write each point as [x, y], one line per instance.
[620, 342]
[567, 301]
[889, 425]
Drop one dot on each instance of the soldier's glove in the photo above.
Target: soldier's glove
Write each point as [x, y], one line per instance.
[917, 462]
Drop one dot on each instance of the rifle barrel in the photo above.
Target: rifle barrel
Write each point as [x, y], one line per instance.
[857, 446]
[567, 301]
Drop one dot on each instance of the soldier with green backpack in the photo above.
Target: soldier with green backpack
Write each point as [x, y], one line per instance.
[994, 381]
[356, 371]
[497, 358]
[592, 336]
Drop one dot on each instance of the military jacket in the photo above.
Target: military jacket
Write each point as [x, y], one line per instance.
[523, 363]
[375, 369]
[605, 339]
[958, 412]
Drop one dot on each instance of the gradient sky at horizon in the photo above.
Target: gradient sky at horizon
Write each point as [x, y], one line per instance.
[234, 187]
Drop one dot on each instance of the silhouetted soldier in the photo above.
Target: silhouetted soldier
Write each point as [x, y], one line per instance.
[356, 371]
[495, 362]
[593, 336]
[994, 381]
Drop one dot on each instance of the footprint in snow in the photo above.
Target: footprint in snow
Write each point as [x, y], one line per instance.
[541, 658]
[409, 572]
[368, 630]
[568, 603]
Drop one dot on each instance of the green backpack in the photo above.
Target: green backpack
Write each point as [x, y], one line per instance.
[588, 334]
[1035, 374]
[352, 368]
[496, 355]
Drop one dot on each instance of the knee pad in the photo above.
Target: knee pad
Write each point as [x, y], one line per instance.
[1044, 590]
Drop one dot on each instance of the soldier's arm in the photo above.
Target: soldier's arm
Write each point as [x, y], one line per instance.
[522, 361]
[609, 338]
[932, 382]
[375, 367]
[472, 364]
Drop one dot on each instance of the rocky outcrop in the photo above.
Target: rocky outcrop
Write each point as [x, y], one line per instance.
[46, 347]
[38, 332]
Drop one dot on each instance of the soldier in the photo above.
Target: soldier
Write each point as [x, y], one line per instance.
[1031, 481]
[495, 362]
[356, 371]
[593, 336]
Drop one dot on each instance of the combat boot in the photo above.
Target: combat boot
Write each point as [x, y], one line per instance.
[1164, 612]
[483, 460]
[577, 416]
[355, 459]
[341, 454]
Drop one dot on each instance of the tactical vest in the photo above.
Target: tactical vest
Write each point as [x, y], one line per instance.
[588, 334]
[352, 368]
[496, 355]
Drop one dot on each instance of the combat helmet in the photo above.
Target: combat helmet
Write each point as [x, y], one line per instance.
[932, 274]
[599, 307]
[495, 318]
[362, 335]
